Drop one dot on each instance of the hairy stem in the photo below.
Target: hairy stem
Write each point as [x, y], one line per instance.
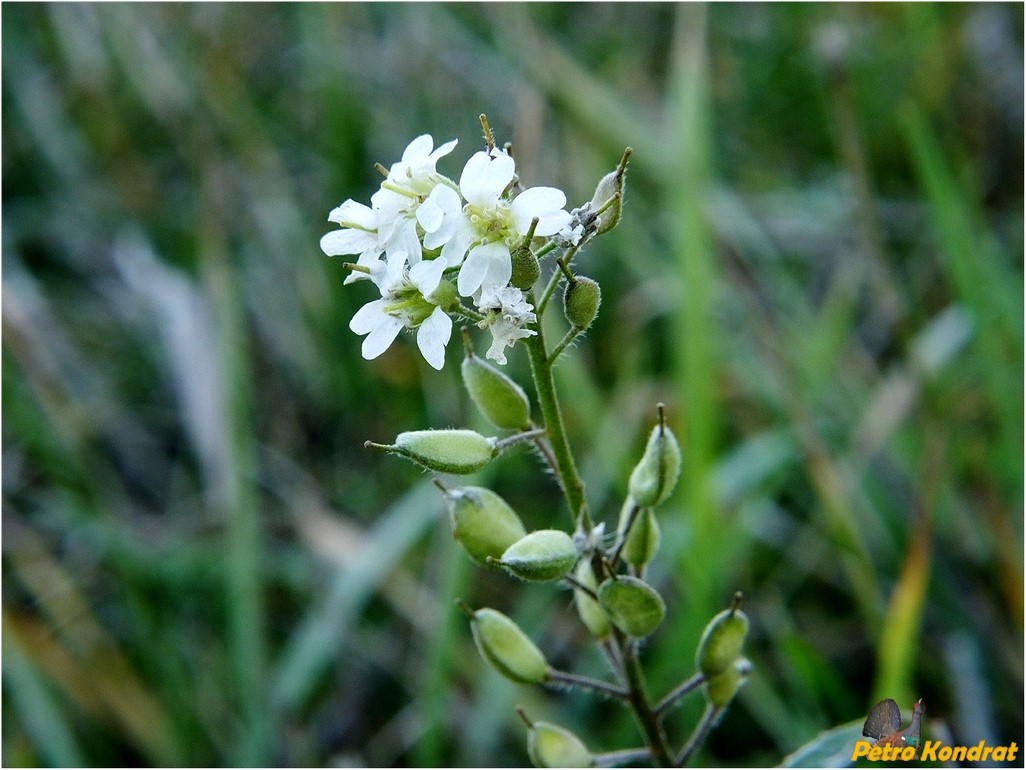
[622, 757]
[712, 713]
[586, 682]
[672, 698]
[566, 469]
[646, 716]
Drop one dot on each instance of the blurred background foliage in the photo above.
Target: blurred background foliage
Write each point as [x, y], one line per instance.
[820, 271]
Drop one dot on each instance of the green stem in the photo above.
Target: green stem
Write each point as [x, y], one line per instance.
[712, 713]
[643, 711]
[566, 469]
[688, 685]
[556, 677]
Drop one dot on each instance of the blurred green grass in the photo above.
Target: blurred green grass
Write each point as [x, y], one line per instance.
[819, 270]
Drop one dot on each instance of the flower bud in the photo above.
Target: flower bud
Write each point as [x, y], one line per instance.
[508, 649]
[550, 745]
[581, 301]
[483, 522]
[613, 183]
[503, 403]
[445, 451]
[591, 614]
[722, 641]
[546, 554]
[654, 477]
[525, 267]
[632, 605]
[721, 689]
[642, 541]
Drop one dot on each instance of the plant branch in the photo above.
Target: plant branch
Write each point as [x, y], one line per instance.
[712, 713]
[647, 719]
[622, 757]
[566, 469]
[671, 699]
[587, 683]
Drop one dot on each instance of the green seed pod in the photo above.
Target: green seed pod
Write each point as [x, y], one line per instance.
[722, 641]
[643, 539]
[508, 649]
[525, 267]
[581, 301]
[546, 554]
[503, 403]
[445, 451]
[613, 183]
[550, 745]
[483, 522]
[654, 477]
[721, 689]
[591, 614]
[632, 605]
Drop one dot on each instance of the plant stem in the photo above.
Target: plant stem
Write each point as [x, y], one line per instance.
[647, 719]
[566, 469]
[587, 683]
[688, 685]
[570, 337]
[712, 713]
[622, 757]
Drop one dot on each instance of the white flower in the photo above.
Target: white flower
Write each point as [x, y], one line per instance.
[493, 224]
[408, 300]
[508, 312]
[417, 166]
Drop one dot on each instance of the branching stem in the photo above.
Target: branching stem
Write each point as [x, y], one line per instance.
[588, 683]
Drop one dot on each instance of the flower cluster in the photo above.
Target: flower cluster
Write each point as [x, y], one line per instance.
[426, 242]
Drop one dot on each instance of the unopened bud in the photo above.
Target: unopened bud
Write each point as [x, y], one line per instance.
[445, 451]
[550, 745]
[609, 193]
[525, 267]
[642, 541]
[632, 605]
[546, 554]
[501, 401]
[591, 614]
[722, 641]
[721, 689]
[508, 649]
[655, 476]
[483, 522]
[581, 301]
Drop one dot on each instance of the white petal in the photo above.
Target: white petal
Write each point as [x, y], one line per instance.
[537, 202]
[369, 317]
[381, 337]
[427, 274]
[418, 149]
[348, 241]
[433, 336]
[455, 248]
[430, 215]
[406, 240]
[484, 178]
[353, 213]
[477, 267]
[442, 151]
[552, 222]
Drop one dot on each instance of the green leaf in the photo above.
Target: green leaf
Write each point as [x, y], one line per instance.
[831, 748]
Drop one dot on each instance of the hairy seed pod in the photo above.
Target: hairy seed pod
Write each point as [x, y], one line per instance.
[546, 554]
[722, 642]
[613, 183]
[655, 476]
[550, 745]
[581, 301]
[591, 614]
[632, 605]
[503, 403]
[525, 267]
[721, 689]
[508, 649]
[445, 451]
[483, 523]
[644, 537]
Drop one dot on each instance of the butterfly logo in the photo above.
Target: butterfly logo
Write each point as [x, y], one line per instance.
[884, 725]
